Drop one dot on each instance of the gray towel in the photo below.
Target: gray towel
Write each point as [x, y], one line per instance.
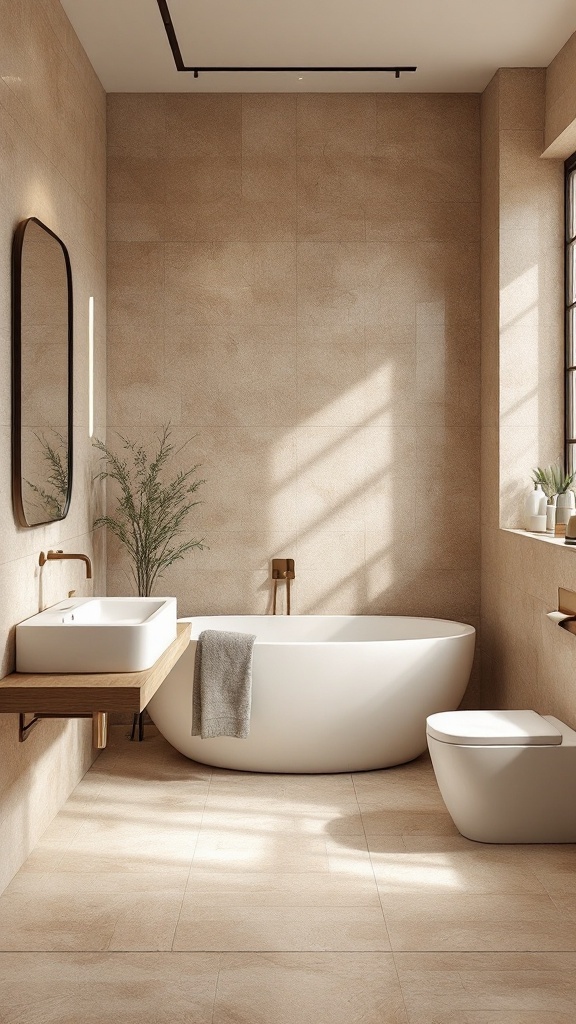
[222, 693]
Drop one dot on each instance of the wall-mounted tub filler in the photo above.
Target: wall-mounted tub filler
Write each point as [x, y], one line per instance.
[52, 555]
[282, 569]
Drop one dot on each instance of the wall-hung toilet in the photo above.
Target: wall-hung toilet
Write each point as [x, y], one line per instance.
[506, 776]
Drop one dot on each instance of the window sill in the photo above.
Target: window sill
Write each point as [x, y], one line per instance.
[546, 537]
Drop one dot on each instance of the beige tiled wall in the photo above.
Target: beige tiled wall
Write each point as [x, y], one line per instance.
[527, 660]
[52, 166]
[560, 131]
[294, 281]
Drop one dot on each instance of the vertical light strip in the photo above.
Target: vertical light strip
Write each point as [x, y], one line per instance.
[91, 366]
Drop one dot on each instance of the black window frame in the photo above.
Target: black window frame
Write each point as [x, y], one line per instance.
[570, 314]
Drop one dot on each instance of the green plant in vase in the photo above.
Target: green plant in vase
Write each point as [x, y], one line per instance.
[556, 484]
[151, 512]
[553, 480]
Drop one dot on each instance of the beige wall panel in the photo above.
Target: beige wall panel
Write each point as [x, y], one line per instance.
[309, 311]
[527, 661]
[560, 133]
[52, 166]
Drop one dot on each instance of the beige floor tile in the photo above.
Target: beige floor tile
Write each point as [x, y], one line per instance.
[500, 1017]
[156, 818]
[486, 961]
[69, 883]
[276, 889]
[89, 921]
[153, 759]
[316, 786]
[349, 856]
[154, 772]
[150, 804]
[104, 835]
[126, 856]
[128, 988]
[418, 769]
[467, 923]
[402, 796]
[146, 921]
[44, 857]
[280, 928]
[272, 852]
[566, 906]
[333, 822]
[555, 866]
[453, 872]
[53, 923]
[405, 783]
[70, 820]
[452, 843]
[465, 987]
[300, 988]
[259, 852]
[273, 816]
[382, 822]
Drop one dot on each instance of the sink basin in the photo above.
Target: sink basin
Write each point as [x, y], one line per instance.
[96, 634]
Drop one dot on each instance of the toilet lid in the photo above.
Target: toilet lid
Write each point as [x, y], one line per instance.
[492, 728]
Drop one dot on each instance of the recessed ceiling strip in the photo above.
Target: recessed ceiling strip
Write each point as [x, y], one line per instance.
[181, 66]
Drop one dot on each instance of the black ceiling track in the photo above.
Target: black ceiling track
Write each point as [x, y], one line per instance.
[181, 66]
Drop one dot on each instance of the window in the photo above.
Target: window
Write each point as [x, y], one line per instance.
[570, 323]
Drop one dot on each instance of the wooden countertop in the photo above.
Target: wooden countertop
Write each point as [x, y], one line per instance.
[79, 694]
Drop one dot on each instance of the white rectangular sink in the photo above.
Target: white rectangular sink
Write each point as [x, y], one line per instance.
[96, 634]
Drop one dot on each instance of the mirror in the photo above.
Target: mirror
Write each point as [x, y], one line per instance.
[41, 375]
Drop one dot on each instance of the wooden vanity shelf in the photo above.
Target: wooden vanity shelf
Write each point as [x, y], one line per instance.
[89, 694]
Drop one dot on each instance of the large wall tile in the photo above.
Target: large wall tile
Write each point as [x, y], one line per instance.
[52, 166]
[304, 304]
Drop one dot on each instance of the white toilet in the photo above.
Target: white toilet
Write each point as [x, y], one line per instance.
[506, 776]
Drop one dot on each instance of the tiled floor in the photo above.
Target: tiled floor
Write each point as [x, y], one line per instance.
[171, 893]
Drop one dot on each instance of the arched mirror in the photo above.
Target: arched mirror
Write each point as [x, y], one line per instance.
[41, 375]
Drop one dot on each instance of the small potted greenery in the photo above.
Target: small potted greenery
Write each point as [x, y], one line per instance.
[557, 484]
[151, 512]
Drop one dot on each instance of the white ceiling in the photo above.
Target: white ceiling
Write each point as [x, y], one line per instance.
[456, 44]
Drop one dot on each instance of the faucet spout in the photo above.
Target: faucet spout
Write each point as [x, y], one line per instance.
[52, 555]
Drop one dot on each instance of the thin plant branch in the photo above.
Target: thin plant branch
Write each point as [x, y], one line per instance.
[151, 513]
[53, 493]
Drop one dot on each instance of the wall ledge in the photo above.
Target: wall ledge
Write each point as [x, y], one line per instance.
[539, 537]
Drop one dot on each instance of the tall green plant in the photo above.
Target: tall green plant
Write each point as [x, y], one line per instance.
[150, 513]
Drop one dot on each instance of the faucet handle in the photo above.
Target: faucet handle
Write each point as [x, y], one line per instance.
[283, 569]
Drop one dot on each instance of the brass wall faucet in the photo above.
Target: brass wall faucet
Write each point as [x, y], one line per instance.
[52, 555]
[282, 569]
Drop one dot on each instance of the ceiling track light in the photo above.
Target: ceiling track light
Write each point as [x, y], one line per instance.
[396, 70]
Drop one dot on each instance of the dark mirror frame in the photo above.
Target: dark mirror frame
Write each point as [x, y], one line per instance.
[17, 246]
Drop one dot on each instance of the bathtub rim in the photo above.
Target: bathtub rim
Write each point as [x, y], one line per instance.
[466, 629]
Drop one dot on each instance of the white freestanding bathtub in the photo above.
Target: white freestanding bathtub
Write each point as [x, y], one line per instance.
[330, 693]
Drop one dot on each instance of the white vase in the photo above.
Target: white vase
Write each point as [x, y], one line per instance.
[532, 505]
[565, 506]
